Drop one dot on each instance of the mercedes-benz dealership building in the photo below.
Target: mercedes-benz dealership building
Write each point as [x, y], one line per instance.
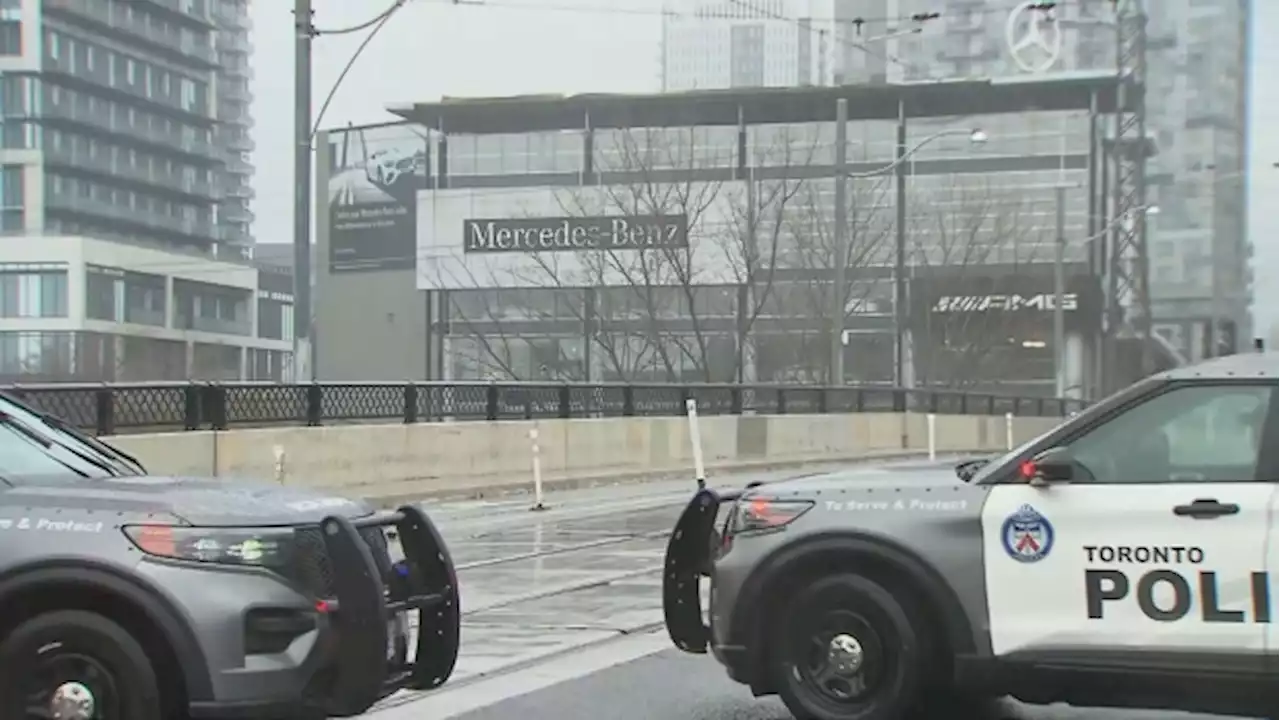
[692, 237]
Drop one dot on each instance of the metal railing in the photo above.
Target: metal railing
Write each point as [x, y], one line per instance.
[115, 408]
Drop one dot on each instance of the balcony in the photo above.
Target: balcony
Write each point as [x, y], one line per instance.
[236, 214]
[236, 91]
[112, 19]
[235, 42]
[99, 163]
[236, 166]
[235, 236]
[240, 143]
[230, 15]
[64, 202]
[174, 8]
[116, 124]
[240, 191]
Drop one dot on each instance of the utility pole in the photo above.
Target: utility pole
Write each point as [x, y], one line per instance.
[304, 33]
[901, 320]
[840, 246]
[1059, 290]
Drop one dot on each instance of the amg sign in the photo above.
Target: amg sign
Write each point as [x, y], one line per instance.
[1044, 302]
[537, 235]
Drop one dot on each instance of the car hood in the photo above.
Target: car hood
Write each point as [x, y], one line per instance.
[906, 475]
[198, 501]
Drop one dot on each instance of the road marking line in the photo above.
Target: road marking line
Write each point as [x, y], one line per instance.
[451, 702]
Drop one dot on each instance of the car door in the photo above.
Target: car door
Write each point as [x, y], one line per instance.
[1157, 543]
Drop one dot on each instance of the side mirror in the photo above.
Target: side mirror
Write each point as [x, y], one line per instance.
[968, 468]
[1054, 465]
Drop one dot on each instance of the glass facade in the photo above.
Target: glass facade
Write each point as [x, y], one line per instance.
[33, 291]
[122, 296]
[967, 206]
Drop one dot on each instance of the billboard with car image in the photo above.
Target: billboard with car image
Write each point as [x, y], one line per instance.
[374, 176]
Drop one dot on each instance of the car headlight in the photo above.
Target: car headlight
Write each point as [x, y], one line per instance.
[751, 514]
[259, 547]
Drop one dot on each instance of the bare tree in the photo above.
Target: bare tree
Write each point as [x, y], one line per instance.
[804, 355]
[669, 311]
[960, 234]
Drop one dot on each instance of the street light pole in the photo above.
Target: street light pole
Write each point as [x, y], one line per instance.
[841, 234]
[1059, 275]
[304, 33]
[1059, 291]
[900, 259]
[840, 247]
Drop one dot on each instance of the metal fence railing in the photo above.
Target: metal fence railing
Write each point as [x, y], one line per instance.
[111, 409]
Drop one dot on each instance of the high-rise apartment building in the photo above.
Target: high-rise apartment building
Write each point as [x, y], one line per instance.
[234, 132]
[119, 117]
[710, 44]
[1195, 107]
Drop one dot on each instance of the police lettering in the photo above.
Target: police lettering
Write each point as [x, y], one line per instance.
[1142, 554]
[1166, 595]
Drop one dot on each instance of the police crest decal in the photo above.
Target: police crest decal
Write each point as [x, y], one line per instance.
[1027, 535]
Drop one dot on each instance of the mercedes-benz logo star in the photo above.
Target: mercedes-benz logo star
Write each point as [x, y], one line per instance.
[1034, 37]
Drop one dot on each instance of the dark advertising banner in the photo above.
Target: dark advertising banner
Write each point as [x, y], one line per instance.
[567, 234]
[1021, 296]
[374, 180]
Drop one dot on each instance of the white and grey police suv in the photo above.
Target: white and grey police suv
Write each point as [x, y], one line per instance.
[1125, 558]
[126, 596]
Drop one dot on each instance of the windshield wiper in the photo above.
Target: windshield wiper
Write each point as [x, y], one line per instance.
[61, 425]
[48, 444]
[45, 443]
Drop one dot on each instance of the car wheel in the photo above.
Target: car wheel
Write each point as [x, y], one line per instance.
[75, 664]
[845, 649]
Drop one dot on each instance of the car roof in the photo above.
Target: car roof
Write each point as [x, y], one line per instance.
[1242, 365]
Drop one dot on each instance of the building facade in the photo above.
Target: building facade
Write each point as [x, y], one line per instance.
[78, 309]
[112, 114]
[234, 132]
[709, 44]
[691, 237]
[1195, 70]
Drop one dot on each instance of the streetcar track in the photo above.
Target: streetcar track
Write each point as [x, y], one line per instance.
[562, 550]
[566, 589]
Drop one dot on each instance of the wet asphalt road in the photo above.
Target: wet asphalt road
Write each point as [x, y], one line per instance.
[562, 616]
[672, 685]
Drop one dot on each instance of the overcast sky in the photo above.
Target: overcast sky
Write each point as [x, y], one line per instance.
[508, 47]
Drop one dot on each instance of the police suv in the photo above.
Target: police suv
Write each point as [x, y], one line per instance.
[127, 596]
[1125, 558]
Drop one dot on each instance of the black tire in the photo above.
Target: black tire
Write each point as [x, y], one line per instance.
[886, 683]
[76, 646]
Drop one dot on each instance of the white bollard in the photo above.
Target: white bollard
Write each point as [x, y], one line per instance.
[278, 452]
[537, 470]
[932, 420]
[695, 441]
[1008, 431]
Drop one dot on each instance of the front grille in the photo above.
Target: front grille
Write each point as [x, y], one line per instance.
[311, 567]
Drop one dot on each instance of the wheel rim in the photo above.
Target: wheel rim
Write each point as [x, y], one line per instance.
[843, 661]
[63, 685]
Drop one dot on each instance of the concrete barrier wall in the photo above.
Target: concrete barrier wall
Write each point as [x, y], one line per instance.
[389, 462]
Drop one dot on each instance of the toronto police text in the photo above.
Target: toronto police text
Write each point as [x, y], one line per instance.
[1167, 595]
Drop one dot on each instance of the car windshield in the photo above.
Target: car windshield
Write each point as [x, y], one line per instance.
[30, 444]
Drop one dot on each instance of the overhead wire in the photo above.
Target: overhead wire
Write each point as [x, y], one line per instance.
[385, 14]
[377, 23]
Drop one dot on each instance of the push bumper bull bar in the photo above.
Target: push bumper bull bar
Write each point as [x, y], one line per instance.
[364, 606]
[690, 554]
